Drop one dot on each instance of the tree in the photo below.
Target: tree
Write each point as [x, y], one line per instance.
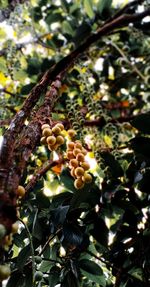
[75, 159]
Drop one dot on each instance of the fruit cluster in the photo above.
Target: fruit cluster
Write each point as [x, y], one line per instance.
[52, 137]
[77, 164]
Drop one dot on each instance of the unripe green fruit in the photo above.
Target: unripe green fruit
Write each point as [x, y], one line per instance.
[44, 126]
[78, 183]
[38, 276]
[56, 130]
[2, 231]
[60, 140]
[38, 259]
[79, 171]
[51, 140]
[47, 132]
[4, 272]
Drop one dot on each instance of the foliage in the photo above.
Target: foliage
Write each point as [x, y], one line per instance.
[98, 235]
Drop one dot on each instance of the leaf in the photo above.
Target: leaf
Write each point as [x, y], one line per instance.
[57, 168]
[88, 6]
[27, 88]
[67, 28]
[54, 276]
[103, 4]
[72, 235]
[143, 184]
[53, 18]
[115, 167]
[16, 280]
[94, 278]
[90, 267]
[141, 145]
[142, 123]
[23, 256]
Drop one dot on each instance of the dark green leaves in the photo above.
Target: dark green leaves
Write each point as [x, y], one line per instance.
[142, 123]
[141, 145]
[90, 267]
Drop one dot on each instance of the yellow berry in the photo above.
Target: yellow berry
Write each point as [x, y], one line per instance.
[51, 140]
[78, 183]
[43, 140]
[87, 178]
[4, 272]
[79, 171]
[69, 155]
[45, 126]
[56, 130]
[61, 126]
[70, 145]
[71, 133]
[53, 147]
[85, 165]
[60, 140]
[80, 157]
[84, 151]
[47, 132]
[78, 145]
[73, 162]
[76, 151]
[14, 228]
[72, 172]
[21, 191]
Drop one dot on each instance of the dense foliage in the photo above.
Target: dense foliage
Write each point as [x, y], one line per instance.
[97, 235]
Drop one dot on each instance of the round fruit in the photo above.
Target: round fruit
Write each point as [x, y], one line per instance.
[38, 276]
[61, 126]
[79, 171]
[72, 172]
[69, 155]
[56, 130]
[21, 191]
[44, 126]
[53, 147]
[76, 151]
[78, 183]
[47, 132]
[43, 140]
[85, 165]
[14, 228]
[70, 145]
[80, 157]
[4, 272]
[38, 259]
[71, 133]
[2, 231]
[84, 151]
[51, 140]
[73, 162]
[60, 140]
[78, 145]
[87, 178]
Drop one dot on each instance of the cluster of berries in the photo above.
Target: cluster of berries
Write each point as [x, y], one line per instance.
[77, 164]
[52, 137]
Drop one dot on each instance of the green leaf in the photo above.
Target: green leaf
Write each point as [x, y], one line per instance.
[23, 256]
[88, 6]
[115, 167]
[142, 123]
[53, 18]
[16, 280]
[27, 88]
[90, 267]
[141, 145]
[94, 278]
[67, 28]
[103, 4]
